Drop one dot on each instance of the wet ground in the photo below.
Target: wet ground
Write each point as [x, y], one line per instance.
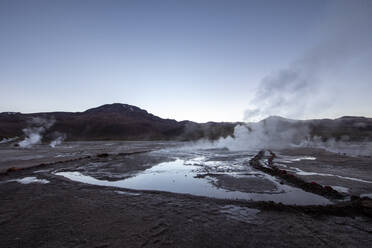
[12, 156]
[352, 175]
[156, 194]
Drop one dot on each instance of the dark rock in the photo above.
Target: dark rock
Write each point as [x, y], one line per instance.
[102, 155]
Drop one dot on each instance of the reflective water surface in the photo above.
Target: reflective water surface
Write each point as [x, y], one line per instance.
[211, 173]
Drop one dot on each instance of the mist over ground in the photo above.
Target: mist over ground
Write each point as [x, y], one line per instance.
[347, 135]
[310, 84]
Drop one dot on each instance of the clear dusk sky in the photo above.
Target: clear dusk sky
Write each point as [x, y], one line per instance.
[196, 60]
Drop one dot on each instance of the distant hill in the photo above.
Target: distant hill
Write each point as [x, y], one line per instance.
[347, 128]
[126, 122]
[112, 122]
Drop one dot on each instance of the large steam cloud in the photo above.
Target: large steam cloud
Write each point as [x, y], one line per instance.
[271, 133]
[297, 90]
[302, 87]
[57, 141]
[34, 133]
[280, 133]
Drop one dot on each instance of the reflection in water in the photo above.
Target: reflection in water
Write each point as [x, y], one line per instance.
[306, 173]
[179, 177]
[28, 180]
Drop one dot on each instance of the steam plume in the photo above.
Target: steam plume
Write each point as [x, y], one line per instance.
[295, 91]
[57, 141]
[34, 133]
[273, 132]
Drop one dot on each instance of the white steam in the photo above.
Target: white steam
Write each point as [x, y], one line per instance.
[279, 133]
[7, 140]
[57, 141]
[34, 133]
[271, 133]
[302, 87]
[344, 147]
[33, 136]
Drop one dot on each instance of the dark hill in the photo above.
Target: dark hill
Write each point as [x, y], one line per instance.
[344, 128]
[126, 122]
[113, 122]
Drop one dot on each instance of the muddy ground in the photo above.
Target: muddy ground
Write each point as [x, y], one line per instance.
[64, 213]
[346, 167]
[13, 156]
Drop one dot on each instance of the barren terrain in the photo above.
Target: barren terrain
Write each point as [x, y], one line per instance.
[151, 194]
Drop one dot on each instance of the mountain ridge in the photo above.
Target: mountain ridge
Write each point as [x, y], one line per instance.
[115, 121]
[118, 121]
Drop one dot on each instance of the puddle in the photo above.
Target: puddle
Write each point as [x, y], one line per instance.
[179, 177]
[366, 195]
[303, 158]
[42, 171]
[126, 193]
[64, 155]
[341, 189]
[30, 157]
[243, 214]
[291, 159]
[305, 173]
[28, 180]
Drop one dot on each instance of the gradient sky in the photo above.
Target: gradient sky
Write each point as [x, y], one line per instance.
[195, 60]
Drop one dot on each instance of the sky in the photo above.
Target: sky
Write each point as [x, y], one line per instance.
[197, 60]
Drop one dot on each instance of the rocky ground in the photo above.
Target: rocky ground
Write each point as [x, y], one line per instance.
[20, 158]
[64, 213]
[326, 164]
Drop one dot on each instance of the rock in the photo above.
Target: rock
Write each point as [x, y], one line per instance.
[102, 155]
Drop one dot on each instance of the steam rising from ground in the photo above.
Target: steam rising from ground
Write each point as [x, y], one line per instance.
[301, 88]
[34, 133]
[280, 133]
[362, 148]
[261, 135]
[270, 133]
[57, 141]
[298, 90]
[8, 140]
